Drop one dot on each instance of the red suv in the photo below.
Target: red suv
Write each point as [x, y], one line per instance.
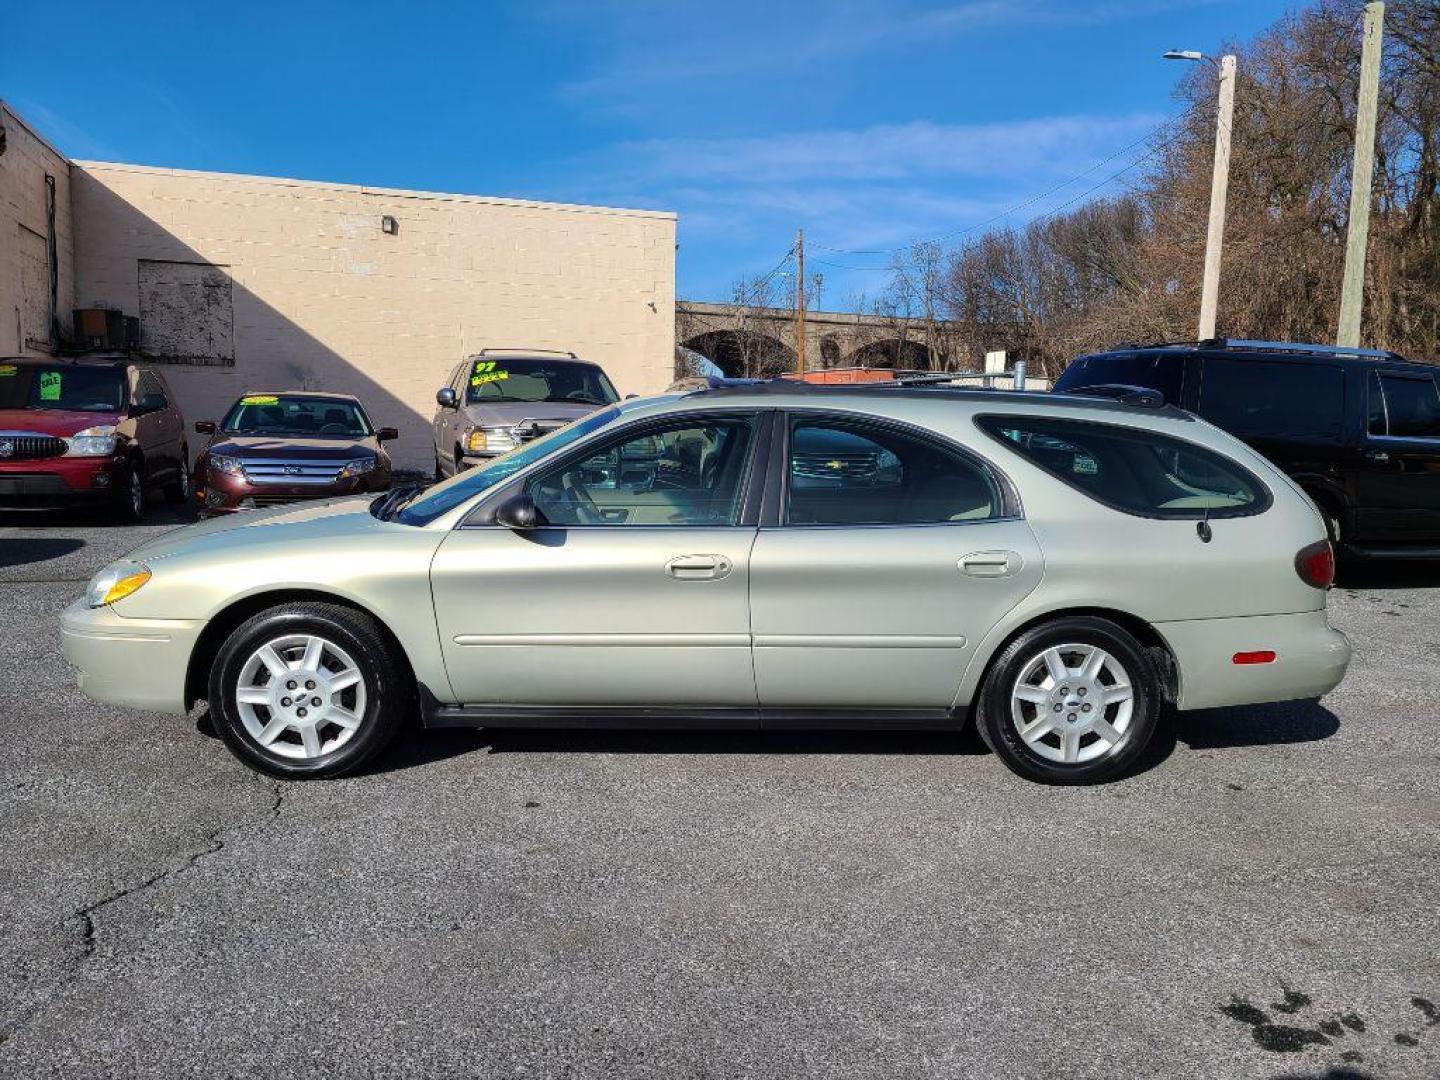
[94, 429]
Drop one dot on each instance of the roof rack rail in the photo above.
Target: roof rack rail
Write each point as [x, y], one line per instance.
[526, 349]
[1266, 346]
[1319, 350]
[1142, 397]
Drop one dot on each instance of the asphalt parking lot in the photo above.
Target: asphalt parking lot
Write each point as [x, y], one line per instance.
[1262, 899]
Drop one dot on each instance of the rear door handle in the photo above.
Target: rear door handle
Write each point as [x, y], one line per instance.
[991, 563]
[698, 567]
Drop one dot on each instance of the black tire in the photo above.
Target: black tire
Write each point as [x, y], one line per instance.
[178, 490]
[387, 686]
[997, 725]
[129, 505]
[439, 472]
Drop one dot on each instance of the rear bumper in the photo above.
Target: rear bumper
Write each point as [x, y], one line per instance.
[136, 663]
[1310, 658]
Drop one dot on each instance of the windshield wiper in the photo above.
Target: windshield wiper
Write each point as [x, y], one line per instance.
[394, 500]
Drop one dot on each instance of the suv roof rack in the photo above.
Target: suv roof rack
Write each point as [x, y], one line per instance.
[1255, 345]
[527, 350]
[1143, 397]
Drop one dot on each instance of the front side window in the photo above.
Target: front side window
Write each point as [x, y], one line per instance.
[297, 416]
[1131, 469]
[526, 379]
[448, 494]
[691, 473]
[1410, 408]
[841, 473]
[70, 387]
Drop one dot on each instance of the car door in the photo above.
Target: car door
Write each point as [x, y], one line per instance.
[635, 589]
[146, 426]
[444, 424]
[170, 426]
[1398, 482]
[886, 556]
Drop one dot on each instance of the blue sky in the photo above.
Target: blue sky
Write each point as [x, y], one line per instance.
[870, 124]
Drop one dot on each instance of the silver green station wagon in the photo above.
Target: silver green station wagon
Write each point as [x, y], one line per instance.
[1056, 568]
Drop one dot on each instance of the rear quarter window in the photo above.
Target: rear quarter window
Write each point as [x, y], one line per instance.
[1131, 469]
[1275, 398]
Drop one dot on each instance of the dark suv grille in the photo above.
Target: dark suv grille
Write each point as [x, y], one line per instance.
[26, 447]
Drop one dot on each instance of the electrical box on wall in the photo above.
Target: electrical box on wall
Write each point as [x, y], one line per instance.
[103, 328]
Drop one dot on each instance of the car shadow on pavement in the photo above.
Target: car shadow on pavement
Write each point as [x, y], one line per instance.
[1279, 723]
[423, 748]
[16, 551]
[89, 517]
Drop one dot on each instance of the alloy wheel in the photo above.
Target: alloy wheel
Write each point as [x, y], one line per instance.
[1072, 703]
[300, 696]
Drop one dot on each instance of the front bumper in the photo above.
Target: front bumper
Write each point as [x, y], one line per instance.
[224, 493]
[1310, 658]
[136, 663]
[60, 480]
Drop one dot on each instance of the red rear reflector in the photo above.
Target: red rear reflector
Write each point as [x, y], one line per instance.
[1316, 564]
[1259, 656]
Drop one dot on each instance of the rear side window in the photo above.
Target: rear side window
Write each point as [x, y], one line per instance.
[843, 473]
[1273, 397]
[1161, 372]
[1404, 406]
[1133, 470]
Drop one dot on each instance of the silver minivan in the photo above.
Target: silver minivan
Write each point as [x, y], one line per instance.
[500, 398]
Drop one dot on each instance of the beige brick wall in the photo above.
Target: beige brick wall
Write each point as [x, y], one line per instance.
[323, 298]
[24, 240]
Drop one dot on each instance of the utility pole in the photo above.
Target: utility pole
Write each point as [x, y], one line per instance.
[1352, 292]
[1219, 183]
[799, 301]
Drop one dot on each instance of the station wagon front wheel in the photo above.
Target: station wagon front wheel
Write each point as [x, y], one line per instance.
[307, 690]
[1071, 701]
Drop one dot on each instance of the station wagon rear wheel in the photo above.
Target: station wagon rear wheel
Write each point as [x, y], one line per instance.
[307, 690]
[1071, 701]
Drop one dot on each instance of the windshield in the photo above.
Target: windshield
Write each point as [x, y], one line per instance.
[61, 386]
[449, 494]
[1158, 371]
[294, 414]
[528, 379]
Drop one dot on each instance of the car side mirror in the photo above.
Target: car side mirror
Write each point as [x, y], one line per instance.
[204, 427]
[386, 434]
[445, 396]
[518, 512]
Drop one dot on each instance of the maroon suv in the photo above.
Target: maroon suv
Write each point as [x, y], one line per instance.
[95, 429]
[281, 447]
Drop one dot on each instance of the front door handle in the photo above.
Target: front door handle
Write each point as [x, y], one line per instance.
[1380, 457]
[991, 563]
[698, 567]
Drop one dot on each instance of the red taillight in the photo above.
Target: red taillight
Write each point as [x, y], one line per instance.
[1259, 656]
[1316, 564]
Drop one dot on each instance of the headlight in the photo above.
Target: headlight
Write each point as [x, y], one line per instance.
[357, 466]
[93, 442]
[222, 464]
[495, 440]
[116, 582]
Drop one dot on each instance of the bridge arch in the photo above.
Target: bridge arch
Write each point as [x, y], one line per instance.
[891, 353]
[743, 354]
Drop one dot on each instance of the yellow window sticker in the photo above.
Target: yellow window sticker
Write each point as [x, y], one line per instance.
[50, 383]
[7, 369]
[259, 399]
[488, 377]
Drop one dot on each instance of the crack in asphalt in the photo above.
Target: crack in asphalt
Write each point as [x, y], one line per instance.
[214, 842]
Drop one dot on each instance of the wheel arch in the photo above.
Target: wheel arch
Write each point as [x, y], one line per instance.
[223, 623]
[1150, 639]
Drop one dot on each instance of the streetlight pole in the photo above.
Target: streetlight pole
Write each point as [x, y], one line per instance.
[1219, 183]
